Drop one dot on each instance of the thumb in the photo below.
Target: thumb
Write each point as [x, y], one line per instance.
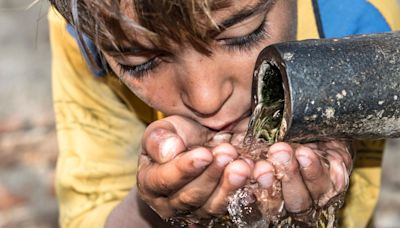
[164, 139]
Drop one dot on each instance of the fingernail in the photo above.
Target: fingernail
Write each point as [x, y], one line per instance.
[200, 164]
[223, 160]
[281, 157]
[167, 148]
[265, 180]
[237, 180]
[222, 137]
[304, 161]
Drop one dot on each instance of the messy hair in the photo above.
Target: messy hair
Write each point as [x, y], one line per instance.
[162, 21]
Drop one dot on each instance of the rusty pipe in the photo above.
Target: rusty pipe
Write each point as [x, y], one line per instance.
[332, 88]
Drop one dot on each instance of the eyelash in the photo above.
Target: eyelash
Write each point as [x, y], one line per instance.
[247, 42]
[141, 70]
[243, 43]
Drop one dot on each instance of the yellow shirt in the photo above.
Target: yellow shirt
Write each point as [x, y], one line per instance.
[99, 131]
[98, 136]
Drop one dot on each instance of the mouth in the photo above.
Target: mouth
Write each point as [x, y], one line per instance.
[230, 125]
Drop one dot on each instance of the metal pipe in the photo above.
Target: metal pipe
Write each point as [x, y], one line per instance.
[332, 88]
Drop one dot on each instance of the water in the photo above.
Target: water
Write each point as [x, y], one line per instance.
[265, 123]
[253, 206]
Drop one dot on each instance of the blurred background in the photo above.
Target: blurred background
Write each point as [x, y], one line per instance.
[28, 146]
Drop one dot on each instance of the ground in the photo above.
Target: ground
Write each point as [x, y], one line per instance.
[28, 146]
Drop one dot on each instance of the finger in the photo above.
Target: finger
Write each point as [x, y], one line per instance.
[219, 138]
[191, 132]
[269, 198]
[343, 149]
[340, 149]
[166, 138]
[196, 193]
[338, 176]
[166, 178]
[234, 177]
[338, 171]
[314, 171]
[162, 145]
[295, 193]
[264, 173]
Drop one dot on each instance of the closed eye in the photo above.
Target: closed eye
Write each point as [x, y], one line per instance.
[246, 42]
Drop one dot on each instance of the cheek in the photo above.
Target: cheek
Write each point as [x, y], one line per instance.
[159, 89]
[155, 90]
[241, 67]
[158, 94]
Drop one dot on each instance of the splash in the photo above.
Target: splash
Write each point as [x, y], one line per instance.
[253, 206]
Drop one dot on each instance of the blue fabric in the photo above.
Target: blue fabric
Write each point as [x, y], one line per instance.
[350, 17]
[97, 68]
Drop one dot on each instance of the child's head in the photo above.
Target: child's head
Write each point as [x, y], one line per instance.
[188, 57]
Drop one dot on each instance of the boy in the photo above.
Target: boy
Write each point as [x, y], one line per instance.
[193, 61]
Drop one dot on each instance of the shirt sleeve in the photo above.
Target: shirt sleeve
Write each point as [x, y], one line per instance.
[98, 136]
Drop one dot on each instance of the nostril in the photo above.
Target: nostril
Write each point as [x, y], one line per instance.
[201, 109]
[206, 102]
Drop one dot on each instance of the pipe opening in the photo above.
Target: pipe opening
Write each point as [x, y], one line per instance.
[271, 86]
[267, 115]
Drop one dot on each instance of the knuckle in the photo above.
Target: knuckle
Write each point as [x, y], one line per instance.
[162, 185]
[190, 199]
[156, 183]
[161, 207]
[316, 176]
[313, 176]
[211, 177]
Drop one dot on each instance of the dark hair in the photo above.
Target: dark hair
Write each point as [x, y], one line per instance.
[162, 21]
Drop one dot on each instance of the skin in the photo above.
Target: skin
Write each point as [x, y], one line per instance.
[205, 96]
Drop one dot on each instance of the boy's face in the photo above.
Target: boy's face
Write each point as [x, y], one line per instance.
[214, 90]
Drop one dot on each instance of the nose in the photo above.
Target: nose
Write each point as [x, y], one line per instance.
[207, 85]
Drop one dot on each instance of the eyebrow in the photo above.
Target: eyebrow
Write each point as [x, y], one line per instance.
[241, 15]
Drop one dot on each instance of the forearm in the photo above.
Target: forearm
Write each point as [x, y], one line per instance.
[133, 212]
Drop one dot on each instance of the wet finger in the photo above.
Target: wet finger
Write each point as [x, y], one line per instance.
[162, 145]
[338, 172]
[315, 172]
[162, 179]
[166, 138]
[270, 199]
[195, 194]
[294, 190]
[264, 173]
[343, 149]
[219, 138]
[234, 177]
[338, 178]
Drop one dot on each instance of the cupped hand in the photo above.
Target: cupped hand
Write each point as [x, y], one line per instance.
[311, 175]
[177, 177]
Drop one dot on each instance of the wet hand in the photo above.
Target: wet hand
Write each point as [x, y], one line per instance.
[310, 175]
[178, 177]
